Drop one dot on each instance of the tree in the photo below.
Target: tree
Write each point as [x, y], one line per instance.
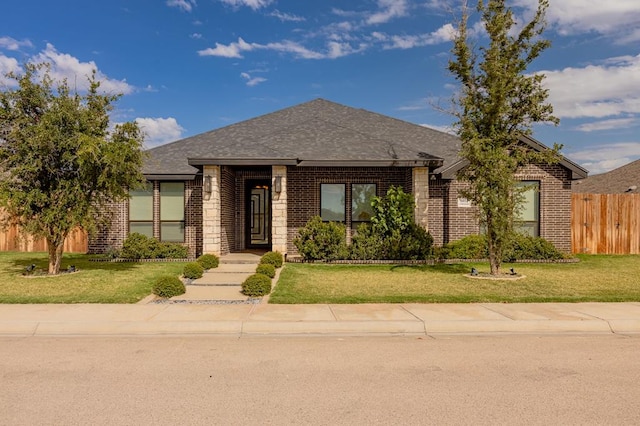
[60, 161]
[497, 104]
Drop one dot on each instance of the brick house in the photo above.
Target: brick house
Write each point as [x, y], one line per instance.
[253, 184]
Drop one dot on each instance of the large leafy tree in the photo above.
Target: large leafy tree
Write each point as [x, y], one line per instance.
[60, 161]
[498, 103]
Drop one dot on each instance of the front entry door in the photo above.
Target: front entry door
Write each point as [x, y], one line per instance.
[258, 214]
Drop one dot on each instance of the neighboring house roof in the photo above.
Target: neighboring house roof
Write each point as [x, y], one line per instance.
[625, 179]
[314, 133]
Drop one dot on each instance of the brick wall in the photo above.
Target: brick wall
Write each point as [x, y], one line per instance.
[303, 191]
[450, 222]
[114, 228]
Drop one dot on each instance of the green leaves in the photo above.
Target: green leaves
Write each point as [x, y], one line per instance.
[59, 159]
[497, 106]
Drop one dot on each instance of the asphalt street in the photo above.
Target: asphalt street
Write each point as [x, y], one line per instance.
[410, 380]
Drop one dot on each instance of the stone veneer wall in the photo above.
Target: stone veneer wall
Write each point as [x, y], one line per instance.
[303, 190]
[449, 222]
[279, 231]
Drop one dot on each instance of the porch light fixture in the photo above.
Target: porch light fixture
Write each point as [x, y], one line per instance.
[277, 184]
[207, 184]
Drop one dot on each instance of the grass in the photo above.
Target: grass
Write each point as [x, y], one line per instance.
[593, 279]
[95, 282]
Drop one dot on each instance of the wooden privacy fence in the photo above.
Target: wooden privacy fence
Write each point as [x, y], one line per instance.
[605, 223]
[11, 240]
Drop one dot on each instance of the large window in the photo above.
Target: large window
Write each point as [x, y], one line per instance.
[141, 211]
[172, 211]
[529, 220]
[361, 196]
[332, 201]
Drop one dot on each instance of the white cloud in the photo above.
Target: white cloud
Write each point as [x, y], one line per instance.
[196, 36]
[233, 50]
[616, 123]
[65, 66]
[445, 129]
[441, 35]
[612, 17]
[252, 81]
[609, 89]
[253, 4]
[184, 5]
[10, 43]
[389, 9]
[8, 65]
[159, 131]
[603, 158]
[286, 17]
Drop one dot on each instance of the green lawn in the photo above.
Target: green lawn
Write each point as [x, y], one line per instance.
[96, 282]
[594, 278]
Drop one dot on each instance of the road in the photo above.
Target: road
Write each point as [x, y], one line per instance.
[462, 380]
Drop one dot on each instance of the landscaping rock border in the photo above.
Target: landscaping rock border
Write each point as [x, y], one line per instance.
[420, 262]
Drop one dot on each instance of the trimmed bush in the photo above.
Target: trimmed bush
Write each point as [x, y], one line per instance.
[320, 240]
[266, 269]
[521, 247]
[138, 246]
[192, 270]
[366, 244]
[274, 258]
[413, 243]
[208, 261]
[168, 286]
[469, 247]
[256, 285]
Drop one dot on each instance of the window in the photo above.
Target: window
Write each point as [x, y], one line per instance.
[332, 202]
[172, 211]
[528, 221]
[141, 211]
[361, 196]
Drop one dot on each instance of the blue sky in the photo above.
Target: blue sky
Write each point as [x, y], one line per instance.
[189, 66]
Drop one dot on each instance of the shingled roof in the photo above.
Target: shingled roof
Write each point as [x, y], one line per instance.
[318, 132]
[617, 181]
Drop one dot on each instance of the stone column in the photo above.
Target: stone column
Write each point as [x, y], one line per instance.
[279, 209]
[211, 223]
[421, 195]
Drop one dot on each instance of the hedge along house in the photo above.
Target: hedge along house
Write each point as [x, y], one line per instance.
[253, 184]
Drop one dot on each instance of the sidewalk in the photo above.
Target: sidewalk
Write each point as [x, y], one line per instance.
[343, 320]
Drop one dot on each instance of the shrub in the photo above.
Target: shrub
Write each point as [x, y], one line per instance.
[192, 270]
[208, 261]
[392, 213]
[168, 286]
[167, 250]
[274, 258]
[138, 246]
[414, 243]
[320, 240]
[256, 285]
[469, 247]
[366, 244]
[521, 247]
[528, 247]
[266, 269]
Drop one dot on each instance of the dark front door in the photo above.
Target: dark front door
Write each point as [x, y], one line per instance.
[258, 231]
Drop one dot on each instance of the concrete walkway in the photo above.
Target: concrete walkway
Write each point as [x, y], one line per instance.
[221, 284]
[366, 319]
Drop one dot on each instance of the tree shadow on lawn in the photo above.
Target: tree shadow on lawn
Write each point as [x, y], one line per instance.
[20, 264]
[454, 268]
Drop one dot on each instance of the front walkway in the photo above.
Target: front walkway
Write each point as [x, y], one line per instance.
[221, 285]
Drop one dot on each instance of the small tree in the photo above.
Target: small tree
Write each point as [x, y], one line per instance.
[59, 160]
[498, 103]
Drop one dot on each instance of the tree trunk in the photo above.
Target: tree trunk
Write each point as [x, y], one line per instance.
[55, 256]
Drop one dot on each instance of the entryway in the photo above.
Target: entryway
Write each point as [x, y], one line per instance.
[258, 211]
